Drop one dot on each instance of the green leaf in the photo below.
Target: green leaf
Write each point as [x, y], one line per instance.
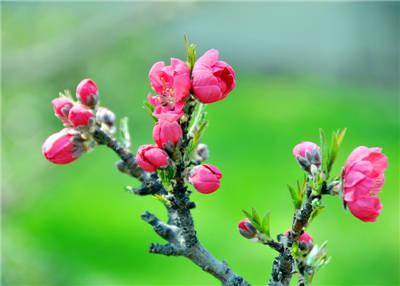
[317, 209]
[262, 226]
[247, 214]
[323, 148]
[191, 52]
[265, 225]
[149, 109]
[295, 197]
[256, 217]
[125, 137]
[329, 152]
[337, 138]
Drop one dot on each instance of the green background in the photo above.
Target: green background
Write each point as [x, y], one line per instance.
[75, 225]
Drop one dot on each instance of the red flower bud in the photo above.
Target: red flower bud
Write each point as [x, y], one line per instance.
[167, 132]
[307, 154]
[205, 178]
[212, 79]
[60, 147]
[80, 115]
[306, 242]
[62, 105]
[247, 229]
[150, 158]
[87, 92]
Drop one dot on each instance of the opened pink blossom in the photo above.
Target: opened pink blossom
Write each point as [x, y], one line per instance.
[171, 82]
[363, 178]
[163, 110]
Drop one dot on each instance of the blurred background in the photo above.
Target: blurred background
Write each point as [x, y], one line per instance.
[300, 66]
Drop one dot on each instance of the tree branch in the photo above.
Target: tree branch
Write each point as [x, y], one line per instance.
[179, 232]
[283, 265]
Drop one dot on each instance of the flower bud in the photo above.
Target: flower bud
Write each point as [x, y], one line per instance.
[307, 154]
[80, 115]
[106, 116]
[62, 105]
[247, 229]
[212, 79]
[150, 158]
[60, 148]
[87, 92]
[167, 132]
[205, 178]
[201, 152]
[306, 242]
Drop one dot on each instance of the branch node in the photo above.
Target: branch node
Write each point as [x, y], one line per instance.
[162, 229]
[167, 249]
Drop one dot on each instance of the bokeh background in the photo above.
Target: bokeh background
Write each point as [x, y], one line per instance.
[300, 66]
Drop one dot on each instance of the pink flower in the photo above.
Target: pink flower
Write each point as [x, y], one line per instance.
[80, 115]
[363, 178]
[150, 158]
[205, 178]
[306, 238]
[212, 79]
[62, 105]
[307, 154]
[306, 242]
[87, 92]
[167, 130]
[171, 82]
[60, 149]
[162, 107]
[365, 208]
[247, 229]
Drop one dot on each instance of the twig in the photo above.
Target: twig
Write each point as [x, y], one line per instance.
[283, 265]
[179, 232]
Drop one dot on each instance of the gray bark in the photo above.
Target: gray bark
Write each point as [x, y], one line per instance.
[179, 231]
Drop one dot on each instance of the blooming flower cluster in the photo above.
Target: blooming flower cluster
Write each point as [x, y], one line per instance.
[211, 80]
[362, 177]
[182, 89]
[78, 117]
